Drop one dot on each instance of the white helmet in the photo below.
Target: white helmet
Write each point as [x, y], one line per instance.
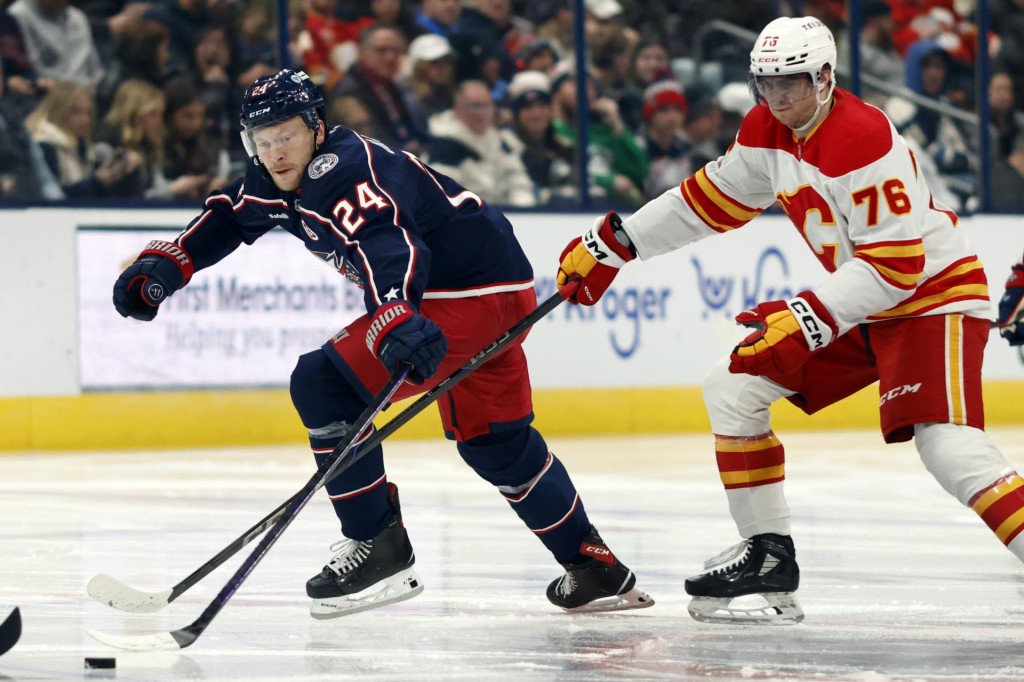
[793, 45]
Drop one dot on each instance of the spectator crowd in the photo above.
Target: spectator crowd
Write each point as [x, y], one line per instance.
[114, 99]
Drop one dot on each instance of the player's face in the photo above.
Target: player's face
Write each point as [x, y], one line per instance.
[792, 98]
[285, 149]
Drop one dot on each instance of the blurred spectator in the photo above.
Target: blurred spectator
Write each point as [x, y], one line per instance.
[1008, 142]
[255, 46]
[20, 85]
[930, 20]
[141, 51]
[396, 14]
[483, 35]
[735, 101]
[108, 19]
[430, 75]
[333, 43]
[440, 17]
[611, 54]
[616, 163]
[702, 125]
[59, 40]
[210, 67]
[134, 129]
[927, 73]
[1010, 54]
[187, 148]
[372, 81]
[62, 127]
[23, 171]
[351, 113]
[554, 22]
[878, 55]
[603, 17]
[185, 20]
[540, 54]
[1007, 121]
[467, 146]
[664, 112]
[650, 63]
[547, 161]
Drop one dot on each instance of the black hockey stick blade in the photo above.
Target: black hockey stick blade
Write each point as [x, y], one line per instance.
[114, 593]
[183, 637]
[10, 631]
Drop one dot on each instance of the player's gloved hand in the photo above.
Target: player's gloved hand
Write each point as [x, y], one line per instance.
[399, 334]
[595, 259]
[787, 332]
[1011, 308]
[161, 269]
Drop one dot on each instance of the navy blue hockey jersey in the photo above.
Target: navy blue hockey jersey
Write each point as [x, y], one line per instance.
[378, 215]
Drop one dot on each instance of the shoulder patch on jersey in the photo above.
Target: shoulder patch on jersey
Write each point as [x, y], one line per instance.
[322, 164]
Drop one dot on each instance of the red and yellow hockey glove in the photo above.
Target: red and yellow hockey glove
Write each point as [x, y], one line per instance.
[595, 258]
[787, 332]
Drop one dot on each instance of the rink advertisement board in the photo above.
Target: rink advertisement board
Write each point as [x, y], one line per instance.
[240, 323]
[663, 323]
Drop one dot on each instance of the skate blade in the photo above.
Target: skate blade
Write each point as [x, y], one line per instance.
[633, 599]
[399, 587]
[774, 608]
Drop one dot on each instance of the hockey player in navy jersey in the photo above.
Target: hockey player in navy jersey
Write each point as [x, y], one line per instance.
[442, 276]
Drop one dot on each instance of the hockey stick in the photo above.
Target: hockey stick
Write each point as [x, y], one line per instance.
[183, 637]
[118, 594]
[110, 591]
[10, 631]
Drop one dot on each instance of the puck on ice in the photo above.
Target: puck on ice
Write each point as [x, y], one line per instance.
[100, 663]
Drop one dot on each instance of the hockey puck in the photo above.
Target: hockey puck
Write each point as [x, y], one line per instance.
[100, 663]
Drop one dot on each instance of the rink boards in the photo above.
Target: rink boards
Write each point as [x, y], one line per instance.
[213, 367]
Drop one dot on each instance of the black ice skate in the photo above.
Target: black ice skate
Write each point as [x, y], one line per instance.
[367, 574]
[602, 583]
[764, 568]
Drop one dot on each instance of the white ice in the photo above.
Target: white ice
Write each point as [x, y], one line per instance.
[899, 582]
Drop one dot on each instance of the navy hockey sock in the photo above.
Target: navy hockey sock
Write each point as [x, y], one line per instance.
[327, 405]
[536, 485]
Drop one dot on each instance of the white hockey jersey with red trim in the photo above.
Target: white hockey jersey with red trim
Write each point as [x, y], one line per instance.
[854, 192]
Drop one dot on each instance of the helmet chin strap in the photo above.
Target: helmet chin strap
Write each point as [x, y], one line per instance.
[817, 111]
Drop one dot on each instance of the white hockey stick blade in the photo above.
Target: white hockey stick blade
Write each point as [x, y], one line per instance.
[10, 631]
[162, 641]
[110, 591]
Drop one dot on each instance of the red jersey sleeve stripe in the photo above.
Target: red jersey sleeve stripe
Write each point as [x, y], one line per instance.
[899, 263]
[718, 211]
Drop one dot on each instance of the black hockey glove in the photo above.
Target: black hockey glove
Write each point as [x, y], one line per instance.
[161, 269]
[399, 334]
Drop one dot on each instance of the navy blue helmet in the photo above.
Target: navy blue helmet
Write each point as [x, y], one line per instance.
[273, 99]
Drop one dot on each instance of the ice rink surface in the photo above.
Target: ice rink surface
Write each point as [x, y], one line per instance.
[899, 582]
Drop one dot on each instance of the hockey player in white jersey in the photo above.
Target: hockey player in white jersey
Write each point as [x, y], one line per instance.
[904, 304]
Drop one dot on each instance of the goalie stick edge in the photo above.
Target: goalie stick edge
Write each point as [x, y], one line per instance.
[10, 631]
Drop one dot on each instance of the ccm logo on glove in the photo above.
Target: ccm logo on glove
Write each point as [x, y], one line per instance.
[786, 333]
[814, 333]
[595, 258]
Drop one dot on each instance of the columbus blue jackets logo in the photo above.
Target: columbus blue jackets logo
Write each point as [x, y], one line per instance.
[322, 164]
